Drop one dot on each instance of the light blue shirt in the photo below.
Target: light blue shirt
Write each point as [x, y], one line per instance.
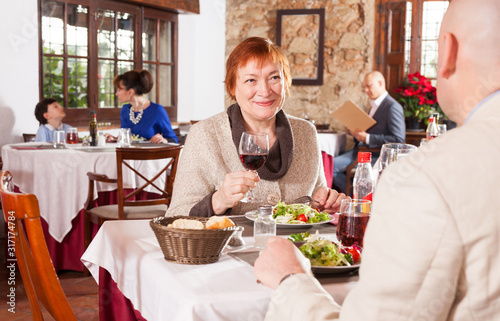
[45, 132]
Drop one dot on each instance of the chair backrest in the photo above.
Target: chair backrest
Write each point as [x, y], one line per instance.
[29, 137]
[170, 155]
[40, 280]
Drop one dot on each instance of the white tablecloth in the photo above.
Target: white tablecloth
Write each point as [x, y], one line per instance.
[58, 178]
[161, 290]
[332, 143]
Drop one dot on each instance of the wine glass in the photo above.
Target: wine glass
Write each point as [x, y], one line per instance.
[391, 152]
[253, 150]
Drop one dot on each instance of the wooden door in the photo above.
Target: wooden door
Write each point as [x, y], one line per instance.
[390, 41]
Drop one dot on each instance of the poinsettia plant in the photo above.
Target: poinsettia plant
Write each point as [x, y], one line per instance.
[417, 96]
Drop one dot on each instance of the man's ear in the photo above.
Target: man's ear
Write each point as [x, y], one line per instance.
[46, 116]
[448, 56]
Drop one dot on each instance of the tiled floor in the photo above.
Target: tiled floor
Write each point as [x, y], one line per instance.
[80, 290]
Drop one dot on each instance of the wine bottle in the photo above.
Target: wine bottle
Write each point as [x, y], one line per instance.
[93, 128]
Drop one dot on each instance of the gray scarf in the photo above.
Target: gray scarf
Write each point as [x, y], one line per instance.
[280, 154]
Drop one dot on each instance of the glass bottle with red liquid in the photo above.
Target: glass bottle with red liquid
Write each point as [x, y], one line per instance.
[432, 129]
[363, 182]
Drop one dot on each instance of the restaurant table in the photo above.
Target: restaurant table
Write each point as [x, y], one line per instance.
[58, 178]
[332, 143]
[137, 283]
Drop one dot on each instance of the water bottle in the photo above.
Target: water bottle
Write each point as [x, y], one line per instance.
[363, 178]
[264, 226]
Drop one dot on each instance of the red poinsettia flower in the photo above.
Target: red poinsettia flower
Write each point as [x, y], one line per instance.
[417, 96]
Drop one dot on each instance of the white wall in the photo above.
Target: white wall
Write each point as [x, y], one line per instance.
[201, 65]
[19, 69]
[202, 61]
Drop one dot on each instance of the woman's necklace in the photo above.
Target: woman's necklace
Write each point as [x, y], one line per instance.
[137, 119]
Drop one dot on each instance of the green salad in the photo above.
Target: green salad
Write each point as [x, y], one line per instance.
[298, 214]
[323, 252]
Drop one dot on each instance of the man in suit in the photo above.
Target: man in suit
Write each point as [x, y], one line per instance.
[431, 246]
[390, 126]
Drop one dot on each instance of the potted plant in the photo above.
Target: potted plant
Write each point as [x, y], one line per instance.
[418, 98]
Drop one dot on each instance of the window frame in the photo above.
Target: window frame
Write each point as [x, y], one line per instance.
[80, 116]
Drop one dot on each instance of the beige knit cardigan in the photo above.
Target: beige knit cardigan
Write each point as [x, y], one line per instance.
[210, 153]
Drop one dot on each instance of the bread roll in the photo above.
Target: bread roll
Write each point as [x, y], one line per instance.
[187, 224]
[218, 222]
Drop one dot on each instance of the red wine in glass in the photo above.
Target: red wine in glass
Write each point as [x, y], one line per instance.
[253, 162]
[253, 151]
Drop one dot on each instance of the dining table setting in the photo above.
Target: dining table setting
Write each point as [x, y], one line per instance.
[58, 177]
[137, 280]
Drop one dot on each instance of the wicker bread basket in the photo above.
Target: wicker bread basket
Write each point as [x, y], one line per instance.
[188, 246]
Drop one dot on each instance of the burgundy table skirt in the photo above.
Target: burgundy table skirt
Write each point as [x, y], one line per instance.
[66, 255]
[113, 305]
[328, 167]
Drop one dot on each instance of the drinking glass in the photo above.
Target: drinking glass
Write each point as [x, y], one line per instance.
[72, 136]
[353, 219]
[442, 129]
[391, 152]
[124, 137]
[101, 140]
[253, 150]
[58, 139]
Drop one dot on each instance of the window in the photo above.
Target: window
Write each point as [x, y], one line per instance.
[406, 35]
[85, 43]
[422, 55]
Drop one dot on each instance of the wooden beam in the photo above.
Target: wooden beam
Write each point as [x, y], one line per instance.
[180, 6]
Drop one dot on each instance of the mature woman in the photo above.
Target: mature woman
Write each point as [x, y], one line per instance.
[211, 179]
[143, 117]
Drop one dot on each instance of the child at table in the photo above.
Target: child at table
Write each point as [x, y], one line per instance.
[49, 114]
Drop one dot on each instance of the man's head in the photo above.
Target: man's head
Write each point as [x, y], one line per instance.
[374, 84]
[469, 59]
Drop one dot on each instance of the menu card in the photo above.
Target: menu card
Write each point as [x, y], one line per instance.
[353, 117]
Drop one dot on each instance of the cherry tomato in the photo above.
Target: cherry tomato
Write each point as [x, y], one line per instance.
[355, 253]
[302, 217]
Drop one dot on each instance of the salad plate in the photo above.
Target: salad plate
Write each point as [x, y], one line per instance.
[334, 269]
[252, 215]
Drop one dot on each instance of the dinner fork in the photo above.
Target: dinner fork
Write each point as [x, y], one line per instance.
[303, 200]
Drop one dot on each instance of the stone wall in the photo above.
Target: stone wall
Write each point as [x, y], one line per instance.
[349, 33]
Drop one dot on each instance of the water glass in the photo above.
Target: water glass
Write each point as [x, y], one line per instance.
[353, 219]
[72, 135]
[59, 139]
[124, 137]
[391, 152]
[101, 140]
[442, 129]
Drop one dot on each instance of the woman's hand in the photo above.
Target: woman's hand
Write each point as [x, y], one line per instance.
[233, 189]
[158, 139]
[110, 138]
[329, 199]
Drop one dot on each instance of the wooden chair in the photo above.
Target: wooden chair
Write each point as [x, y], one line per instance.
[128, 207]
[29, 137]
[351, 169]
[40, 280]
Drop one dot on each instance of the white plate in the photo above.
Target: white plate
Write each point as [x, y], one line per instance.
[252, 215]
[334, 269]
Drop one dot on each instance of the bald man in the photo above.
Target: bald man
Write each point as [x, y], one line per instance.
[432, 244]
[390, 126]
